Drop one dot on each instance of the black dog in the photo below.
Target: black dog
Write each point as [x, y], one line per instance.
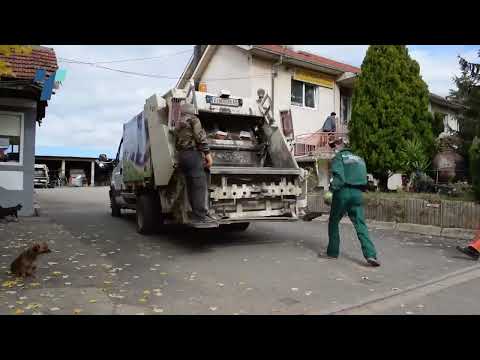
[10, 211]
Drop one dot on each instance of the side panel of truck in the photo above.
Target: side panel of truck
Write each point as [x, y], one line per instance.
[161, 140]
[136, 150]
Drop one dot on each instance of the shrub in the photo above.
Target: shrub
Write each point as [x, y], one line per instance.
[475, 166]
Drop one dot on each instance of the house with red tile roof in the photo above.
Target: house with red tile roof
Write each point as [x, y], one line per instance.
[22, 106]
[307, 85]
[304, 85]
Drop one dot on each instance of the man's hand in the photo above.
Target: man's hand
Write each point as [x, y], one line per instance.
[208, 160]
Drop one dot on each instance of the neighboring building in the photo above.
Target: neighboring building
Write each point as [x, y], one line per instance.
[62, 166]
[449, 111]
[21, 108]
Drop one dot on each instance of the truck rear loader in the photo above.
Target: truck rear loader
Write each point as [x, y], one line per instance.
[254, 176]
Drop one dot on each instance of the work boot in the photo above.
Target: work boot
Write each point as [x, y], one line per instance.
[374, 262]
[470, 251]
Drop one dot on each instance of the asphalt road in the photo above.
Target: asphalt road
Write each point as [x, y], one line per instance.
[272, 268]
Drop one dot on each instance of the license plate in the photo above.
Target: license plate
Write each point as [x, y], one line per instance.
[215, 100]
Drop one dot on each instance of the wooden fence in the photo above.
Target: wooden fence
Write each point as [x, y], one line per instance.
[445, 213]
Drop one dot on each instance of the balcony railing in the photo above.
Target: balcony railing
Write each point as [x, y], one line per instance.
[315, 143]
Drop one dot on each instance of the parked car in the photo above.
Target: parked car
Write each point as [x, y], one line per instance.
[77, 178]
[41, 178]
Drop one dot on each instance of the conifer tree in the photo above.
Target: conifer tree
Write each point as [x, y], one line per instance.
[390, 105]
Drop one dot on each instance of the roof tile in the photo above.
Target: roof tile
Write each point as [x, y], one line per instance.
[25, 66]
[306, 56]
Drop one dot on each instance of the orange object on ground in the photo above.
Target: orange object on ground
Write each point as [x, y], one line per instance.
[476, 242]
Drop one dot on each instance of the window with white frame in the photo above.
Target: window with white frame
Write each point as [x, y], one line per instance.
[11, 138]
[304, 94]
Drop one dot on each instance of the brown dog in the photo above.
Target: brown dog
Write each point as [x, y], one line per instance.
[24, 264]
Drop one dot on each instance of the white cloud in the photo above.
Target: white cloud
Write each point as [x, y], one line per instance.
[89, 110]
[438, 69]
[349, 54]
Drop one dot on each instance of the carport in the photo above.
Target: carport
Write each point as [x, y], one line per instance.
[62, 165]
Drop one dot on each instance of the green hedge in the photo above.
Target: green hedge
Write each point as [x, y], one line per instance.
[475, 166]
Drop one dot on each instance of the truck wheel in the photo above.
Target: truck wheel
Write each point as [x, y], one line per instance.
[147, 214]
[116, 210]
[235, 227]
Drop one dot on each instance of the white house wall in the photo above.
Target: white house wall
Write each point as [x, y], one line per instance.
[228, 69]
[305, 120]
[230, 63]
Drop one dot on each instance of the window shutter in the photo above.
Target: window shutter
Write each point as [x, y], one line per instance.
[287, 124]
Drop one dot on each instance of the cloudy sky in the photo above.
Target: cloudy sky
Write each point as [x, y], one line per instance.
[85, 116]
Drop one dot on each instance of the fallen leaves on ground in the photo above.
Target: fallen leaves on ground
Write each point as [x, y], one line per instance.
[33, 306]
[9, 283]
[115, 296]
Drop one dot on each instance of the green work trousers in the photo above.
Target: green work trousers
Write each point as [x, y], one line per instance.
[350, 201]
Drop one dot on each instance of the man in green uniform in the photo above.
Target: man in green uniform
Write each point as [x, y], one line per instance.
[349, 179]
[194, 157]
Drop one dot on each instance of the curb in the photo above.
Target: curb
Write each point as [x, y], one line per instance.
[452, 233]
[338, 310]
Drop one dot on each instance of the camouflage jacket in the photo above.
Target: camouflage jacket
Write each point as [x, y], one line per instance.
[189, 134]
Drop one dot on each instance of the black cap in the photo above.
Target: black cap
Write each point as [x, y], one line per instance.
[333, 114]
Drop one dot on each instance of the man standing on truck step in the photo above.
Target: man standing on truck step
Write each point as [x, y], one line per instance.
[194, 156]
[349, 180]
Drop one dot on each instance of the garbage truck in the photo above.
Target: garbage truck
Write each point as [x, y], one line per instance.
[254, 176]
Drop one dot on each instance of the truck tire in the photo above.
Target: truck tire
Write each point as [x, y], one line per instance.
[148, 213]
[236, 227]
[116, 210]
